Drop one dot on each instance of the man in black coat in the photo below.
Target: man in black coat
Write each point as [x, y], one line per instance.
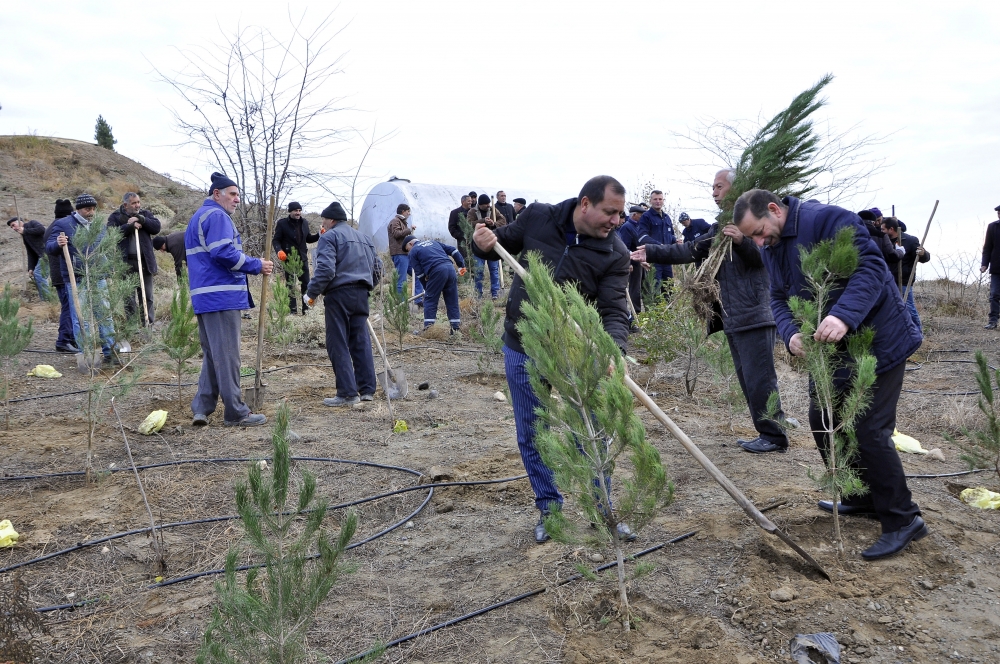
[173, 244]
[504, 208]
[910, 252]
[991, 261]
[66, 339]
[31, 233]
[576, 239]
[293, 232]
[519, 205]
[130, 217]
[455, 225]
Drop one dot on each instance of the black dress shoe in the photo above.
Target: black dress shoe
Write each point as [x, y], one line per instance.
[846, 510]
[541, 535]
[760, 446]
[69, 348]
[889, 544]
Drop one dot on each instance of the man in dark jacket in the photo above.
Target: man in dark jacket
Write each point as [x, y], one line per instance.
[628, 233]
[504, 208]
[346, 271]
[991, 261]
[519, 205]
[693, 228]
[576, 239]
[455, 225]
[292, 232]
[31, 233]
[869, 298]
[890, 252]
[656, 227]
[173, 244]
[130, 218]
[431, 264]
[912, 252]
[65, 340]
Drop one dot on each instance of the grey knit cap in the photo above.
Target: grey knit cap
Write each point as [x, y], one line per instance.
[85, 201]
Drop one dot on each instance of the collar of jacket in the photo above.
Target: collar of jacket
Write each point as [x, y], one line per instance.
[80, 220]
[565, 221]
[791, 228]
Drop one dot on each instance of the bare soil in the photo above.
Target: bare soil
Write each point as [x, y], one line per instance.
[707, 600]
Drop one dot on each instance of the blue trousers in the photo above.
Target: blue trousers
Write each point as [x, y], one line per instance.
[438, 280]
[41, 283]
[402, 263]
[347, 342]
[66, 336]
[524, 401]
[102, 312]
[911, 306]
[494, 276]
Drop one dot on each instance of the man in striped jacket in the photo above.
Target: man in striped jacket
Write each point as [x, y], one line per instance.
[217, 269]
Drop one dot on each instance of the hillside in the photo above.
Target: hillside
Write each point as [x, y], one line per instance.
[38, 170]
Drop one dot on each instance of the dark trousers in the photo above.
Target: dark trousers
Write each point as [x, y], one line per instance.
[133, 304]
[347, 343]
[753, 357]
[635, 285]
[441, 279]
[877, 461]
[994, 297]
[219, 332]
[66, 337]
[293, 300]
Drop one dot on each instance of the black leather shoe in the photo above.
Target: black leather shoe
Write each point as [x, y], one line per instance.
[541, 536]
[69, 348]
[847, 510]
[990, 326]
[760, 446]
[889, 544]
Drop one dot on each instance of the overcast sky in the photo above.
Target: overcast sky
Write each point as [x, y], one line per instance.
[542, 95]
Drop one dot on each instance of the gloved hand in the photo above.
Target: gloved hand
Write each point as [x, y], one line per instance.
[282, 256]
[461, 271]
[307, 300]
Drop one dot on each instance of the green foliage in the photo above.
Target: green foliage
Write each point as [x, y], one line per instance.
[266, 619]
[14, 337]
[586, 419]
[102, 134]
[279, 323]
[841, 400]
[661, 324]
[693, 335]
[983, 447]
[180, 339]
[395, 308]
[487, 329]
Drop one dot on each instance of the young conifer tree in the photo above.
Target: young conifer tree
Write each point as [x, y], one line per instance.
[294, 267]
[103, 135]
[841, 375]
[585, 430]
[266, 619]
[180, 336]
[395, 308]
[982, 446]
[14, 337]
[279, 326]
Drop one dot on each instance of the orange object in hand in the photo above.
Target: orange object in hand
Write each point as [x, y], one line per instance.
[282, 256]
[461, 271]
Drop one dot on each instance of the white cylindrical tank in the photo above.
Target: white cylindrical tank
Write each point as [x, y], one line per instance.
[430, 205]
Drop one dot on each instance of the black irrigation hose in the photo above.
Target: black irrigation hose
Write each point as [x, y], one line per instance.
[506, 602]
[920, 365]
[962, 472]
[66, 394]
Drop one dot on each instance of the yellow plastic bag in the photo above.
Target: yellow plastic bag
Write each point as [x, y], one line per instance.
[153, 422]
[400, 427]
[981, 497]
[8, 536]
[45, 371]
[911, 445]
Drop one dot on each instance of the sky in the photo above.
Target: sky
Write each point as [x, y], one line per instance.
[543, 94]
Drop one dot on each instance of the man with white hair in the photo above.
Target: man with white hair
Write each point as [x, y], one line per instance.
[130, 217]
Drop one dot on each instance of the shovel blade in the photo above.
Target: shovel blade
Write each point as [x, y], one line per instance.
[394, 384]
[89, 364]
[254, 397]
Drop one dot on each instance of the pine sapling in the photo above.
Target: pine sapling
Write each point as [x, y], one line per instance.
[395, 308]
[841, 375]
[266, 618]
[982, 449]
[279, 325]
[488, 330]
[582, 432]
[180, 336]
[294, 267]
[14, 338]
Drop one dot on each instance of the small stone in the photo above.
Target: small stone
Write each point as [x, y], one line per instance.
[409, 524]
[105, 550]
[423, 386]
[970, 583]
[433, 394]
[885, 620]
[927, 583]
[783, 594]
[871, 606]
[445, 506]
[293, 437]
[439, 474]
[597, 558]
[499, 396]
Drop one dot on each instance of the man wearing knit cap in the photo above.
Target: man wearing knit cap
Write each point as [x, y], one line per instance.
[31, 233]
[483, 214]
[217, 269]
[61, 234]
[65, 341]
[430, 261]
[399, 228]
[347, 268]
[292, 232]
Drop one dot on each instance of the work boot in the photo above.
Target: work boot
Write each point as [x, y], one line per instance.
[992, 325]
[541, 535]
[199, 420]
[251, 420]
[340, 402]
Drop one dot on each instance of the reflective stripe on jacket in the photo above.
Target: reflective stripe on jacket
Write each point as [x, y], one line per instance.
[217, 266]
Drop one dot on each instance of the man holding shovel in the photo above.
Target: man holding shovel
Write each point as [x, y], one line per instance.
[137, 226]
[347, 268]
[575, 238]
[217, 269]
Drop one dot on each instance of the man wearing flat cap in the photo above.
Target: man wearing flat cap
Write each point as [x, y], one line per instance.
[991, 261]
[629, 234]
[347, 268]
[217, 274]
[292, 232]
[484, 213]
[519, 204]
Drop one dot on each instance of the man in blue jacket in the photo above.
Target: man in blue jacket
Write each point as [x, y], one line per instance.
[217, 274]
[431, 264]
[869, 298]
[65, 340]
[656, 227]
[628, 232]
[693, 228]
[347, 268]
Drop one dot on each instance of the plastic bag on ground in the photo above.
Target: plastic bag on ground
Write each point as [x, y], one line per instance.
[45, 371]
[8, 536]
[981, 497]
[153, 422]
[911, 445]
[819, 648]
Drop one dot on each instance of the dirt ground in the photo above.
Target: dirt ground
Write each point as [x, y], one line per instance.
[707, 600]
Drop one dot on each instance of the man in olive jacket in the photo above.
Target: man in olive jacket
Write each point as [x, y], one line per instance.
[399, 228]
[130, 217]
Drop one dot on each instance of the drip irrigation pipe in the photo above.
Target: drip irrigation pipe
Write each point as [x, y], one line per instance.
[66, 394]
[963, 472]
[507, 602]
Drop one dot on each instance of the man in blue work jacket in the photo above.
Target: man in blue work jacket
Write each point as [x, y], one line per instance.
[656, 227]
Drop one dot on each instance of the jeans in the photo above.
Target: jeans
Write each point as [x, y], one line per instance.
[67, 326]
[41, 283]
[347, 342]
[753, 357]
[102, 313]
[994, 297]
[912, 308]
[402, 263]
[494, 276]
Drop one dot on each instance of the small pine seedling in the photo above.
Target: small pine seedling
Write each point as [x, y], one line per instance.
[395, 308]
[488, 330]
[14, 337]
[584, 430]
[180, 336]
[280, 328]
[983, 447]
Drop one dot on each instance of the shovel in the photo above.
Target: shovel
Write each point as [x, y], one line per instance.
[745, 503]
[87, 363]
[142, 282]
[393, 382]
[254, 396]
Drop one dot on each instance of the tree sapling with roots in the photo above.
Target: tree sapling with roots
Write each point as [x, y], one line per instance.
[180, 336]
[267, 619]
[14, 337]
[832, 367]
[587, 419]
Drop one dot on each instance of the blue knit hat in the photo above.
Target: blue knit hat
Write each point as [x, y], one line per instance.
[85, 201]
[220, 181]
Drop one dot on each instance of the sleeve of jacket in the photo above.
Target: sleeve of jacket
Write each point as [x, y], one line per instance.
[417, 266]
[748, 253]
[34, 229]
[222, 248]
[511, 236]
[52, 245]
[988, 245]
[149, 223]
[454, 253]
[864, 286]
[670, 254]
[611, 294]
[278, 240]
[311, 237]
[326, 266]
